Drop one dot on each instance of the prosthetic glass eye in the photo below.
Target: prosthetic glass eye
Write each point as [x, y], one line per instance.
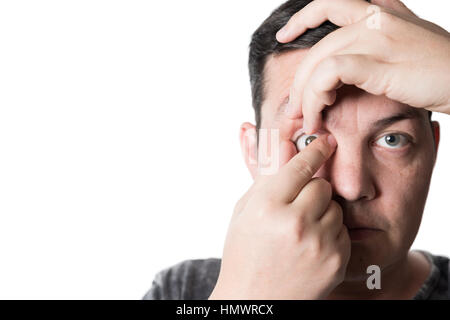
[305, 139]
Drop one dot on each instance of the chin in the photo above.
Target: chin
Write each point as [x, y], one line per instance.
[364, 254]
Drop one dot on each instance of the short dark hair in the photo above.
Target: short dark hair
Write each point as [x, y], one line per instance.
[264, 43]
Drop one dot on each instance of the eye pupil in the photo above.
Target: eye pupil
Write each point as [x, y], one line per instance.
[391, 139]
[310, 139]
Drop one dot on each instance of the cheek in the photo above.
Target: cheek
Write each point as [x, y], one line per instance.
[287, 151]
[413, 179]
[403, 189]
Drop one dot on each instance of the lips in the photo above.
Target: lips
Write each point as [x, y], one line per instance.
[351, 223]
[360, 230]
[361, 223]
[359, 219]
[359, 226]
[358, 234]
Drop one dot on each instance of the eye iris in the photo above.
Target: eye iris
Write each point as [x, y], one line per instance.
[310, 139]
[391, 139]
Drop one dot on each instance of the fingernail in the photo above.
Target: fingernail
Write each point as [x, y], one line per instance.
[306, 127]
[332, 141]
[282, 33]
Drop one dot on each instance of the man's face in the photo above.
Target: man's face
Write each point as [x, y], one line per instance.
[381, 169]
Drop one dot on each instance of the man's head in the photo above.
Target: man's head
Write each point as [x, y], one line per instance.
[381, 170]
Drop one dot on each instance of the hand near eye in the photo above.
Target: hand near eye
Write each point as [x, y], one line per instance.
[384, 50]
[286, 238]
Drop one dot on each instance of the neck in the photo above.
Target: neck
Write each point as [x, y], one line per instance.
[400, 280]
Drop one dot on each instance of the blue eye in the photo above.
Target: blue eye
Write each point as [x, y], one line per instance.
[305, 139]
[392, 141]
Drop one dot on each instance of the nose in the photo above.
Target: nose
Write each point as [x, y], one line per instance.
[350, 174]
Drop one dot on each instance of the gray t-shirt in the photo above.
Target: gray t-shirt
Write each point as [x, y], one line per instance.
[196, 279]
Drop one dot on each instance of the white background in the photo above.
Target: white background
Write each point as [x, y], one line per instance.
[119, 150]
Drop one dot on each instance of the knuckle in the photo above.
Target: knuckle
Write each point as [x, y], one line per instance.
[386, 18]
[270, 207]
[268, 196]
[328, 98]
[293, 227]
[241, 203]
[333, 63]
[336, 211]
[302, 218]
[298, 228]
[335, 207]
[316, 247]
[383, 36]
[321, 186]
[336, 262]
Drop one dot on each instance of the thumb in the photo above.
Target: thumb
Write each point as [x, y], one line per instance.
[302, 167]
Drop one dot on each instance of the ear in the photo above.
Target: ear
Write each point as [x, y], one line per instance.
[249, 147]
[436, 134]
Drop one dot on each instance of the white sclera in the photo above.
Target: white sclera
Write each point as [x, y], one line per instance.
[400, 141]
[302, 141]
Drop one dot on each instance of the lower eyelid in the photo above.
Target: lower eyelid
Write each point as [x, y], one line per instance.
[297, 135]
[394, 149]
[407, 139]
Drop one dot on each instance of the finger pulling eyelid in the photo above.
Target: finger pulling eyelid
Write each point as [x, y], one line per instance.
[297, 134]
[302, 131]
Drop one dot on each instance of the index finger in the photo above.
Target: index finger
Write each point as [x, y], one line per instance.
[293, 176]
[339, 12]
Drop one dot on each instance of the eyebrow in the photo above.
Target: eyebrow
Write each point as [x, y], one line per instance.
[412, 113]
[386, 122]
[382, 123]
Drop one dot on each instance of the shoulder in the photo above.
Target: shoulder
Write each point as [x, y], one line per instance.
[437, 286]
[187, 280]
[443, 285]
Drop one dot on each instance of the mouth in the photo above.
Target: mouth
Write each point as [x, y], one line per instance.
[359, 234]
[359, 229]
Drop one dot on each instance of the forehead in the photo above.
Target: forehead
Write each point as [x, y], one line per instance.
[357, 107]
[279, 73]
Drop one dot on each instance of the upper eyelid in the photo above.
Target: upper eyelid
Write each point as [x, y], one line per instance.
[404, 134]
[301, 132]
[407, 144]
[409, 140]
